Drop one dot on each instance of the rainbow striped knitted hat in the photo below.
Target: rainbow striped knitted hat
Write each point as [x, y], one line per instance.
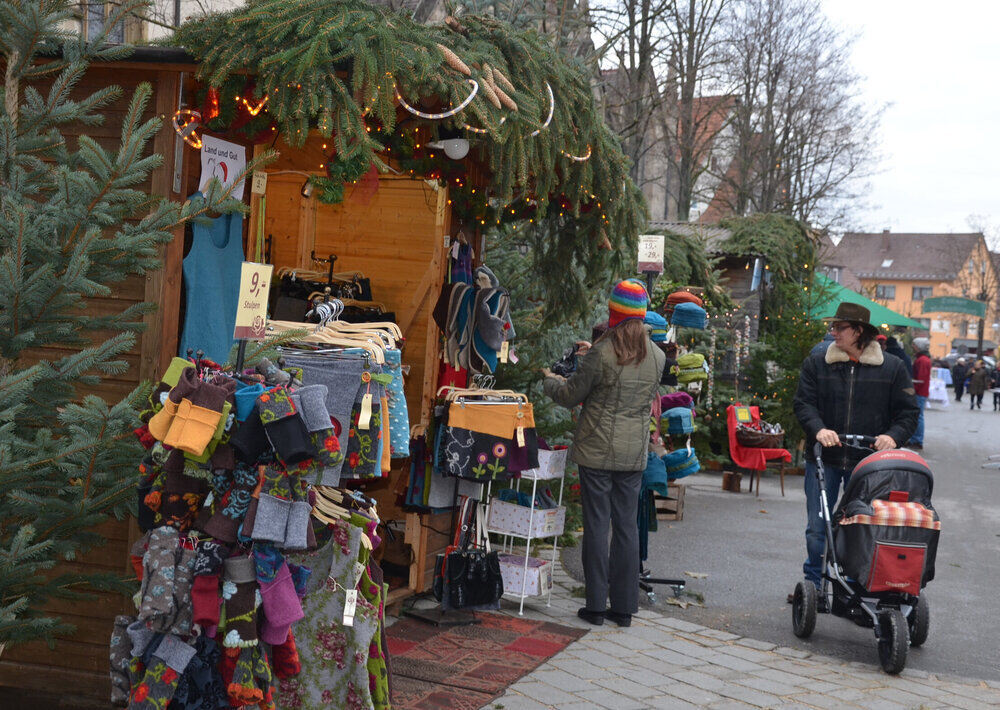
[628, 300]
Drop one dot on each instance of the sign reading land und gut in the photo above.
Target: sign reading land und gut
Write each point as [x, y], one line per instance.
[251, 313]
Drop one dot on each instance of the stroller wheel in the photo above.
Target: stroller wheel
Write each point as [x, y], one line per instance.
[893, 640]
[920, 621]
[804, 609]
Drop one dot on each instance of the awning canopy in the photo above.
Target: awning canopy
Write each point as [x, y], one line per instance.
[831, 294]
[971, 344]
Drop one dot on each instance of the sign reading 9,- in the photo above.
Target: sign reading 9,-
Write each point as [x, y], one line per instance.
[251, 312]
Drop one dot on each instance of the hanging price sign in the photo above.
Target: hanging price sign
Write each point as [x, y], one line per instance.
[650, 253]
[251, 313]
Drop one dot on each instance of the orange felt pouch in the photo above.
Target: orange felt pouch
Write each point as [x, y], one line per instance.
[160, 422]
[192, 428]
[500, 420]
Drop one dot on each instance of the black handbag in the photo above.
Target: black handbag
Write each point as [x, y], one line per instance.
[566, 366]
[468, 576]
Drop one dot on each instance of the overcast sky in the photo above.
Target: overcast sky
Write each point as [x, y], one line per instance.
[938, 64]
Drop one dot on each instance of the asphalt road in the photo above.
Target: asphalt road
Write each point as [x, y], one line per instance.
[752, 549]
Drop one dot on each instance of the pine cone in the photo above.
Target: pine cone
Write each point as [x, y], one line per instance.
[456, 26]
[503, 81]
[487, 89]
[453, 61]
[504, 99]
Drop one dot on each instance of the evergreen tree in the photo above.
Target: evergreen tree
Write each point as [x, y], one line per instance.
[74, 222]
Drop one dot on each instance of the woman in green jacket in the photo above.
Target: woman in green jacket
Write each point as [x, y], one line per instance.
[616, 382]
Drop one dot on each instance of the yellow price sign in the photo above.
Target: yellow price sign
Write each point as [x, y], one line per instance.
[251, 313]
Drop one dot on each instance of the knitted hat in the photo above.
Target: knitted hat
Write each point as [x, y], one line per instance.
[628, 300]
[688, 315]
[659, 325]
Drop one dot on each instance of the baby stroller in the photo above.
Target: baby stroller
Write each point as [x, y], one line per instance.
[881, 545]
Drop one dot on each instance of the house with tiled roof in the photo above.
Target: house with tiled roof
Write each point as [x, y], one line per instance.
[901, 271]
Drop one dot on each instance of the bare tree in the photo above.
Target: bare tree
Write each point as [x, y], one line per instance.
[694, 30]
[803, 141]
[631, 42]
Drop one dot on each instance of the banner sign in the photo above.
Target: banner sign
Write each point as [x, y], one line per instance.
[651, 253]
[954, 304]
[251, 313]
[224, 160]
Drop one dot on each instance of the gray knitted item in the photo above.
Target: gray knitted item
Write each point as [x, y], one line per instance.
[157, 592]
[271, 518]
[120, 656]
[311, 403]
[174, 652]
[297, 529]
[342, 378]
[139, 636]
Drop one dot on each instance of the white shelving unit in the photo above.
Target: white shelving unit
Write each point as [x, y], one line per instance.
[515, 522]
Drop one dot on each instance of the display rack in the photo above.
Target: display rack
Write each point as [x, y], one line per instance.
[509, 521]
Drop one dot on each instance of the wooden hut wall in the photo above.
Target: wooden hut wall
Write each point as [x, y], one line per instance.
[79, 664]
[393, 231]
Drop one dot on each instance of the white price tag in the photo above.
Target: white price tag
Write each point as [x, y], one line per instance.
[350, 606]
[520, 436]
[259, 184]
[365, 419]
[504, 351]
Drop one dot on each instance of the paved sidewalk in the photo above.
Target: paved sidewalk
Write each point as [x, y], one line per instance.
[665, 662]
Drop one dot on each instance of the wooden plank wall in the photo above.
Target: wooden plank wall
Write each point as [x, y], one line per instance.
[395, 236]
[81, 661]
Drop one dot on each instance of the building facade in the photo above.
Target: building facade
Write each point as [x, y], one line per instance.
[901, 271]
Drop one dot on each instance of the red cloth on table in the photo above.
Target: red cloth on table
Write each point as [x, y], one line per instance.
[749, 457]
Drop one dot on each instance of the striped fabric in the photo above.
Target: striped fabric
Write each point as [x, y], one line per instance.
[628, 300]
[895, 514]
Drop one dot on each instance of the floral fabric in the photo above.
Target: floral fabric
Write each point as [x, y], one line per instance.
[334, 657]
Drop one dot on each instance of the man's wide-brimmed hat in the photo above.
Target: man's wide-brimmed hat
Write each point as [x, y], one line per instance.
[854, 313]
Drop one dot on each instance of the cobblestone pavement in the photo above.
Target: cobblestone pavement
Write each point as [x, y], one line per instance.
[663, 661]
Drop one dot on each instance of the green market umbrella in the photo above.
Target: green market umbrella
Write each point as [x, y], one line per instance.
[831, 294]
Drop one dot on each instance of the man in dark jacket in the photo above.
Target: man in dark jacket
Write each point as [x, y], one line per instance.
[893, 347]
[958, 374]
[851, 388]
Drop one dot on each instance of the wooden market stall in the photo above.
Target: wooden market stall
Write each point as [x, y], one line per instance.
[541, 154]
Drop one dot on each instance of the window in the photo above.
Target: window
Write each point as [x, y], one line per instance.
[885, 291]
[963, 330]
[922, 292]
[925, 323]
[886, 263]
[973, 329]
[833, 273]
[940, 326]
[972, 265]
[95, 14]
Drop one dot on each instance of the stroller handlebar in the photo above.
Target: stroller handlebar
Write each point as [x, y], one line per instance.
[855, 441]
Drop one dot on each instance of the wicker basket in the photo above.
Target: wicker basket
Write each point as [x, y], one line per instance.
[756, 439]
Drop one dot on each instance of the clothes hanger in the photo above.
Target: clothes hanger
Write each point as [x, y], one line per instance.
[320, 335]
[393, 328]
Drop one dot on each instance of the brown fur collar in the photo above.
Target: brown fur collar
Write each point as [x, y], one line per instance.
[871, 355]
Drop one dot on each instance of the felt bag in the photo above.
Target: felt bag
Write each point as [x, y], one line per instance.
[681, 463]
[679, 421]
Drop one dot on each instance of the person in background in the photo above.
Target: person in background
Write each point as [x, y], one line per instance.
[979, 380]
[851, 388]
[995, 387]
[881, 341]
[822, 345]
[616, 382]
[893, 347]
[958, 374]
[922, 386]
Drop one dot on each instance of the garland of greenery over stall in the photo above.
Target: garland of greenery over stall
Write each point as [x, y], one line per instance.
[336, 66]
